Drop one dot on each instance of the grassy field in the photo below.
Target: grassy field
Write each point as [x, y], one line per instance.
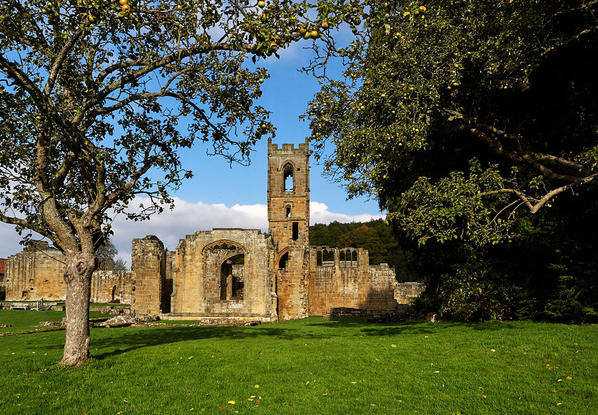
[21, 320]
[308, 367]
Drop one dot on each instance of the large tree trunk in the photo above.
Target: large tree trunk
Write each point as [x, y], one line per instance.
[79, 268]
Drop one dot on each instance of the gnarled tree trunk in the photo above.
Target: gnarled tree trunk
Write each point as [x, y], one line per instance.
[77, 276]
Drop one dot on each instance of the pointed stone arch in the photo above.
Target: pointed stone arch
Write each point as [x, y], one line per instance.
[288, 176]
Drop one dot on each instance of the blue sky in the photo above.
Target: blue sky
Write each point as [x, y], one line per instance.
[285, 94]
[222, 196]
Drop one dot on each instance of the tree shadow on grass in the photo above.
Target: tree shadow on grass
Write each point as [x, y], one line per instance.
[372, 328]
[128, 339]
[115, 341]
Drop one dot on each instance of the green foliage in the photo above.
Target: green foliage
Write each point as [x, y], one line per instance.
[98, 97]
[105, 255]
[546, 273]
[454, 207]
[120, 264]
[431, 86]
[475, 125]
[472, 293]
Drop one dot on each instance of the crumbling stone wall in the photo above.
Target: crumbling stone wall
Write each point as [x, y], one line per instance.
[35, 273]
[148, 264]
[341, 278]
[112, 287]
[291, 284]
[2, 281]
[406, 292]
[199, 285]
[379, 293]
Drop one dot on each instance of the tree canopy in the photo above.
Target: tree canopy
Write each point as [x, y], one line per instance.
[98, 97]
[462, 116]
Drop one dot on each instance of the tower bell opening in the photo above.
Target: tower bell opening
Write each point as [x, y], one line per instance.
[289, 184]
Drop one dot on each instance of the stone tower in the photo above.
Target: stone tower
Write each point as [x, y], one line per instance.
[288, 219]
[288, 194]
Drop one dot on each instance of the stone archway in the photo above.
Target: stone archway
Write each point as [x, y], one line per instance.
[224, 263]
[232, 283]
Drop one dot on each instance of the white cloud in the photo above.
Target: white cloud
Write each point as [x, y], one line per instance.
[319, 213]
[186, 218]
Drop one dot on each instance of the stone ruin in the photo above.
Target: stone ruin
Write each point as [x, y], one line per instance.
[233, 273]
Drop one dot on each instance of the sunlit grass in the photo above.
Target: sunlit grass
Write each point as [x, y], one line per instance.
[310, 367]
[25, 320]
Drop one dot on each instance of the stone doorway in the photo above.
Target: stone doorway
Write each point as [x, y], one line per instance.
[232, 283]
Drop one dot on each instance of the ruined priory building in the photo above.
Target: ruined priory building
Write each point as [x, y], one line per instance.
[233, 273]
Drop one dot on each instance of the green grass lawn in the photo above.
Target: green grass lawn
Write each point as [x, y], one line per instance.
[24, 320]
[309, 367]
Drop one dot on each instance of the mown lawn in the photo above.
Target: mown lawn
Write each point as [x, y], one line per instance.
[309, 367]
[25, 320]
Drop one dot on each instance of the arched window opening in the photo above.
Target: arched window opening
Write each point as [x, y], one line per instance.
[319, 258]
[113, 300]
[288, 182]
[232, 280]
[288, 208]
[354, 257]
[282, 263]
[328, 258]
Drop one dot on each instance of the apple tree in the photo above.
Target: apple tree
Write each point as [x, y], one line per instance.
[462, 116]
[98, 97]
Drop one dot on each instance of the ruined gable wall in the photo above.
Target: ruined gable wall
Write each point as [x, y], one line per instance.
[196, 273]
[36, 273]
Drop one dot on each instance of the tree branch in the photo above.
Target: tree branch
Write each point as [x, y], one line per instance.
[66, 48]
[173, 57]
[534, 204]
[32, 23]
[490, 135]
[14, 72]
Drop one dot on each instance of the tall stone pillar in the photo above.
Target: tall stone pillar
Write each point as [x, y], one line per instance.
[148, 261]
